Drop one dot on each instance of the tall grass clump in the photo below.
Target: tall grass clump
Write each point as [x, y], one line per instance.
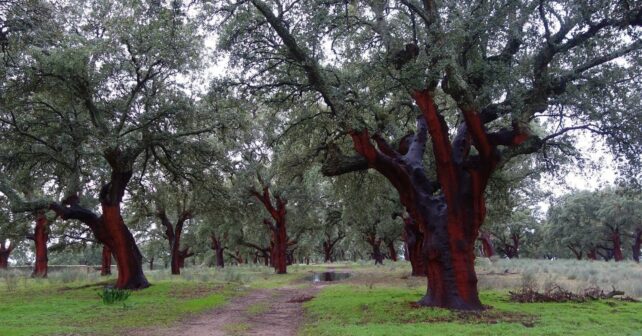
[11, 279]
[112, 295]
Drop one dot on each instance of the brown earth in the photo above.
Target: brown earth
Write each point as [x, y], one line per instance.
[267, 312]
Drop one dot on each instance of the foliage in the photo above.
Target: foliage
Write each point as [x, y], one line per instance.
[586, 220]
[112, 295]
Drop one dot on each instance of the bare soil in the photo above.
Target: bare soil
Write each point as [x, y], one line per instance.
[268, 312]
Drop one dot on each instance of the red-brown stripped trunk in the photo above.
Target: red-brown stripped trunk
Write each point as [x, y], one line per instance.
[327, 252]
[218, 248]
[451, 211]
[178, 260]
[121, 242]
[487, 244]
[414, 242]
[617, 246]
[5, 252]
[105, 265]
[109, 228]
[278, 229]
[173, 235]
[40, 239]
[279, 251]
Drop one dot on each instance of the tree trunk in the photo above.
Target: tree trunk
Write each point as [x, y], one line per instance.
[129, 260]
[218, 248]
[451, 210]
[279, 253]
[487, 244]
[576, 251]
[376, 254]
[109, 228]
[617, 246]
[592, 254]
[178, 259]
[392, 250]
[173, 234]
[151, 263]
[5, 252]
[414, 242]
[327, 252]
[40, 239]
[105, 268]
[637, 244]
[279, 236]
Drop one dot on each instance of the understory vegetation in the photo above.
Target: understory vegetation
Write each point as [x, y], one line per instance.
[375, 300]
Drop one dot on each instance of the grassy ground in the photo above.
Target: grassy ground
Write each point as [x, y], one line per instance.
[68, 302]
[375, 301]
[379, 301]
[388, 310]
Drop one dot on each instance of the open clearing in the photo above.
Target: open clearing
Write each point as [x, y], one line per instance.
[250, 300]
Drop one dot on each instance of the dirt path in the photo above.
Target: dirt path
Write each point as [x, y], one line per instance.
[268, 312]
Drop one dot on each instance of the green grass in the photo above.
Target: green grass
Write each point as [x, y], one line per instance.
[374, 301]
[352, 309]
[45, 309]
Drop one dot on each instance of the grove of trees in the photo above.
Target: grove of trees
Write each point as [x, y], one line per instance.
[297, 131]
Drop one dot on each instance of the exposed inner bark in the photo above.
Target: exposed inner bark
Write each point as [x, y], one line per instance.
[179, 261]
[173, 235]
[105, 266]
[110, 228]
[414, 241]
[375, 244]
[5, 252]
[279, 237]
[449, 219]
[218, 248]
[40, 239]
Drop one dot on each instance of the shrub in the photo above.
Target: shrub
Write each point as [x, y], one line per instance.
[112, 295]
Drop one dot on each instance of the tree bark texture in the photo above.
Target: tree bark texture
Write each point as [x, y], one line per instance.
[105, 265]
[449, 219]
[279, 236]
[40, 239]
[110, 229]
[218, 248]
[173, 234]
[414, 242]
